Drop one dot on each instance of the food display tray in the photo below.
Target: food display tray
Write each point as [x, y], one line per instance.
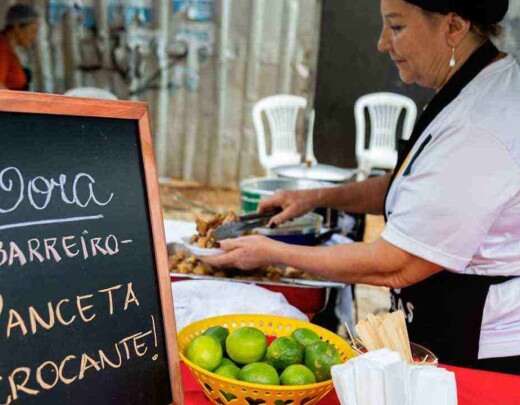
[284, 281]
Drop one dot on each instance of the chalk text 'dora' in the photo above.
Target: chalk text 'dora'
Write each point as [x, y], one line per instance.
[40, 191]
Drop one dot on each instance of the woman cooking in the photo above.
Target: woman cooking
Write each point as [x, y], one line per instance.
[450, 250]
[21, 29]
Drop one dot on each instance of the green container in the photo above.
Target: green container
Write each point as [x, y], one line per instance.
[249, 202]
[253, 190]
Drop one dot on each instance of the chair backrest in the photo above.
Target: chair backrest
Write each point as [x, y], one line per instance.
[282, 113]
[384, 110]
[90, 92]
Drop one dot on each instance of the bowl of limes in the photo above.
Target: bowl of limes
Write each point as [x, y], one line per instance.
[262, 359]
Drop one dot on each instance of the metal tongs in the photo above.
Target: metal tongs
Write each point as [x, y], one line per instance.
[245, 223]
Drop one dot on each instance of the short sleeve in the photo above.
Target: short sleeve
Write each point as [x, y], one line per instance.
[443, 209]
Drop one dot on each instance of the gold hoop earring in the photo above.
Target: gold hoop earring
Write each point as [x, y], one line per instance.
[453, 61]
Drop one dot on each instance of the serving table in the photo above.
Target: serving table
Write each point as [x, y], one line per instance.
[474, 387]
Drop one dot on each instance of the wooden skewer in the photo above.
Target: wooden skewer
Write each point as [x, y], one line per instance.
[388, 330]
[369, 336]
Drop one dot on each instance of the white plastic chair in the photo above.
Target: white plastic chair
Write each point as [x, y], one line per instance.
[90, 92]
[384, 110]
[282, 113]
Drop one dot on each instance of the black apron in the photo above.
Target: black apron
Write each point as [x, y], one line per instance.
[444, 312]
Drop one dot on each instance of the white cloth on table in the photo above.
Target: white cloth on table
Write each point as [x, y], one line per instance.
[199, 299]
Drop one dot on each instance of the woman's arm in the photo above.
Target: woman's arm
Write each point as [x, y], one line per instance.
[377, 263]
[365, 197]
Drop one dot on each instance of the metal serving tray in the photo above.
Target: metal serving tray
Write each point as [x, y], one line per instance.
[283, 282]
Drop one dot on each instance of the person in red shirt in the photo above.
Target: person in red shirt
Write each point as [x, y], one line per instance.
[21, 29]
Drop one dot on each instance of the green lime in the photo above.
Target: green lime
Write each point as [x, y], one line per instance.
[297, 374]
[320, 357]
[228, 370]
[283, 352]
[205, 352]
[225, 361]
[246, 345]
[305, 336]
[259, 373]
[294, 340]
[218, 332]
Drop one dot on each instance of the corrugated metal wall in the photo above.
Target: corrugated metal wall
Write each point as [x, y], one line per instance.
[202, 122]
[210, 133]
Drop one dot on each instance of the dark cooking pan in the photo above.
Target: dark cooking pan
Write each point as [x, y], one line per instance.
[306, 238]
[306, 230]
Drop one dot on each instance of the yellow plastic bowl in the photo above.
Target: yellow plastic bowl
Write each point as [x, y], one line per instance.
[220, 390]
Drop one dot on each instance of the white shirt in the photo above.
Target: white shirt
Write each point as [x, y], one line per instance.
[460, 205]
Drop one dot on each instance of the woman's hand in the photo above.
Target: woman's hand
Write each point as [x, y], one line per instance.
[246, 253]
[293, 204]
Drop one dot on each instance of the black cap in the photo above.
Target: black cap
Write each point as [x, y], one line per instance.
[20, 14]
[479, 11]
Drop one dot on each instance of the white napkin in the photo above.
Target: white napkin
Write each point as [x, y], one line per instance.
[431, 386]
[344, 383]
[381, 377]
[368, 379]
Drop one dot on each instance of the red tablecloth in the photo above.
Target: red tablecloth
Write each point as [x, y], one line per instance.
[474, 387]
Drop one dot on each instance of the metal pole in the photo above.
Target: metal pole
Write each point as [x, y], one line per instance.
[71, 50]
[310, 113]
[103, 41]
[288, 46]
[43, 55]
[162, 19]
[217, 165]
[247, 145]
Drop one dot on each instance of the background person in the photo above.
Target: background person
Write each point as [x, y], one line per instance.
[21, 29]
[450, 250]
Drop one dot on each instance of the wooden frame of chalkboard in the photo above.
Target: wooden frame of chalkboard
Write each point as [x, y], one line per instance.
[32, 104]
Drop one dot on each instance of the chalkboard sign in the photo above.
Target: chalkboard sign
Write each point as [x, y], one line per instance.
[86, 311]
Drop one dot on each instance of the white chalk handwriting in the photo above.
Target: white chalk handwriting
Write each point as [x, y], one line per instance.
[40, 191]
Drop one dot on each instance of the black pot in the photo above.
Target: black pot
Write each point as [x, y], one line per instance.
[306, 238]
[306, 230]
